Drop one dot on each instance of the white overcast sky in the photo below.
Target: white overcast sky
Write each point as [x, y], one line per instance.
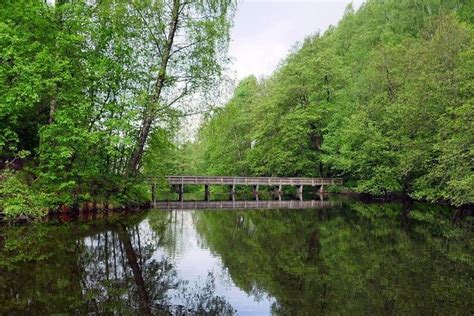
[265, 30]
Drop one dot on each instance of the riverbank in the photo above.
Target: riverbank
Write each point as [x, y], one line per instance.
[90, 210]
[24, 198]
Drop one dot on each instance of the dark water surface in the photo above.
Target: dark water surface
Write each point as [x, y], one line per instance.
[331, 258]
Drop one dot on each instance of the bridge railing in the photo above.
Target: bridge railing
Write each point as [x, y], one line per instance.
[252, 180]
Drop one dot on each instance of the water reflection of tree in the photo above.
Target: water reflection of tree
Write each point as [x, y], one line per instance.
[359, 260]
[121, 272]
[108, 267]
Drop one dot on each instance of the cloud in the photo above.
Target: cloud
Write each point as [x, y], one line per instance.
[265, 30]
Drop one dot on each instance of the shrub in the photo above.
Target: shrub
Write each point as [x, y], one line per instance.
[18, 199]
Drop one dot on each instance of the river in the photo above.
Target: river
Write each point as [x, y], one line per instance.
[342, 257]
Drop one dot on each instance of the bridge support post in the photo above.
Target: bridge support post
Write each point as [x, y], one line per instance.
[321, 189]
[181, 191]
[321, 197]
[255, 189]
[153, 194]
[232, 189]
[300, 190]
[278, 190]
[206, 192]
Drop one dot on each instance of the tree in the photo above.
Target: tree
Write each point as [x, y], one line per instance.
[188, 38]
[225, 139]
[84, 85]
[383, 99]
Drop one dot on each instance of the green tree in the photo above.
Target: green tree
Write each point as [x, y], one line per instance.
[383, 99]
[85, 85]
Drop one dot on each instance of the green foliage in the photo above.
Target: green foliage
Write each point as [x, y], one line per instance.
[18, 199]
[385, 100]
[77, 81]
[84, 268]
[161, 159]
[224, 141]
[348, 260]
[352, 259]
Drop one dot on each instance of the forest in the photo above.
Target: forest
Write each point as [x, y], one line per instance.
[93, 93]
[384, 100]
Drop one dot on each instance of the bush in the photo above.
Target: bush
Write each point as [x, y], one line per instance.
[18, 199]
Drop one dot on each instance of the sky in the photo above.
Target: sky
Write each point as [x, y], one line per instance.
[265, 30]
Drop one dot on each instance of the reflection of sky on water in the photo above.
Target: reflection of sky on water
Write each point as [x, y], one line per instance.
[354, 259]
[193, 262]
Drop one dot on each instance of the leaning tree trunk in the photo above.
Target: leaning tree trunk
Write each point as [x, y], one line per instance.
[132, 259]
[150, 112]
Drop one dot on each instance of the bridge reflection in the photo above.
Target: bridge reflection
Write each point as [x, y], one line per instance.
[230, 205]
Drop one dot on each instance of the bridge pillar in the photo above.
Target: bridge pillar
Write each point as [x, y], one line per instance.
[277, 190]
[256, 197]
[300, 190]
[153, 194]
[255, 189]
[181, 191]
[321, 197]
[232, 189]
[321, 189]
[206, 192]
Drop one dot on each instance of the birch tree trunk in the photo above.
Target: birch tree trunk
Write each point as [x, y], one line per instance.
[150, 112]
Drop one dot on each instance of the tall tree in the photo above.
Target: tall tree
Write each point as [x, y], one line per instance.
[383, 99]
[189, 37]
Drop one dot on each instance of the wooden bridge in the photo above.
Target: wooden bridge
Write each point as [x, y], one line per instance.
[179, 181]
[230, 205]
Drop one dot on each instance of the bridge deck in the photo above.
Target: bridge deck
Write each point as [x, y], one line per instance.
[252, 180]
[229, 205]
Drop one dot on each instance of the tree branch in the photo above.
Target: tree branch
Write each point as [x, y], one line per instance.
[152, 34]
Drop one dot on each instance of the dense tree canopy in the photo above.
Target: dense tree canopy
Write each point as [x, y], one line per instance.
[91, 95]
[384, 99]
[85, 86]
